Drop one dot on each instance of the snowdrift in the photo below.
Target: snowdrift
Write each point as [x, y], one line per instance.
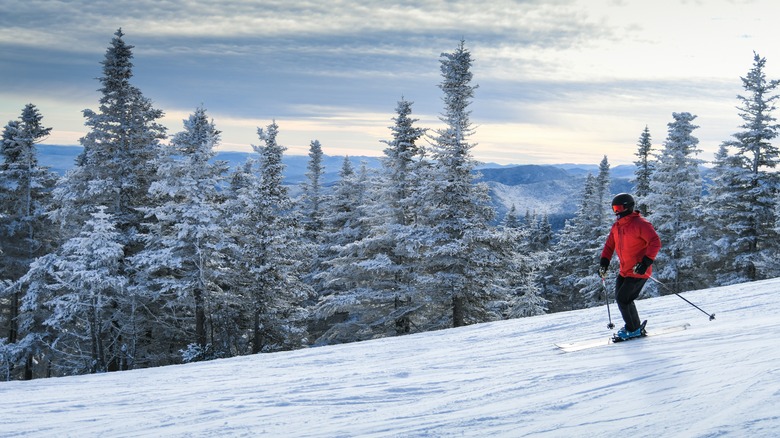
[718, 378]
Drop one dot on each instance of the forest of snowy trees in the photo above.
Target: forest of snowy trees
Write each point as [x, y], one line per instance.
[150, 252]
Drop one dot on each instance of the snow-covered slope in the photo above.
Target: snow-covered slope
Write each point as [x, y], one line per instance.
[719, 378]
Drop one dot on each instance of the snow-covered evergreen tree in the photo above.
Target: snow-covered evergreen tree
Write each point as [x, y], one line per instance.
[88, 287]
[675, 203]
[115, 168]
[346, 307]
[114, 172]
[183, 261]
[35, 308]
[25, 195]
[754, 191]
[720, 228]
[396, 217]
[343, 212]
[528, 262]
[460, 275]
[644, 170]
[603, 196]
[313, 196]
[25, 230]
[512, 220]
[270, 253]
[542, 234]
[311, 205]
[403, 164]
[371, 273]
[572, 280]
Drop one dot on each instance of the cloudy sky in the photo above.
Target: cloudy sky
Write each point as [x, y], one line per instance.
[559, 80]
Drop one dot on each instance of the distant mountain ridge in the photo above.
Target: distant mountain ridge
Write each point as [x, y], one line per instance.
[61, 158]
[550, 190]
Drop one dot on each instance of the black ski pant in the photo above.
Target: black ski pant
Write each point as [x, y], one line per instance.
[626, 291]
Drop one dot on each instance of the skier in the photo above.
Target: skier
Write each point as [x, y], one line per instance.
[637, 245]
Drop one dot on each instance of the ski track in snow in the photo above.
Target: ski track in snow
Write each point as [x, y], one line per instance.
[718, 378]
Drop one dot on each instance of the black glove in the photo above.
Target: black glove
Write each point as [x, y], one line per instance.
[642, 266]
[603, 266]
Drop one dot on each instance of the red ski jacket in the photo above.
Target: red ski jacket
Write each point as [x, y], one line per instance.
[632, 237]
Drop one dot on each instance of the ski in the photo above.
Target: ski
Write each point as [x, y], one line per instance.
[592, 343]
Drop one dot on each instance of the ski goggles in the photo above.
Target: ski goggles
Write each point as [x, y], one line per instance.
[619, 208]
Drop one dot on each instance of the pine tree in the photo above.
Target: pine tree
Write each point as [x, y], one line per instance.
[675, 202]
[25, 193]
[115, 167]
[403, 161]
[343, 213]
[512, 220]
[720, 231]
[370, 275]
[396, 216]
[115, 171]
[644, 170]
[603, 197]
[268, 261]
[540, 233]
[572, 280]
[527, 265]
[543, 234]
[454, 236]
[25, 230]
[310, 205]
[183, 260]
[84, 304]
[347, 306]
[313, 196]
[755, 189]
[34, 310]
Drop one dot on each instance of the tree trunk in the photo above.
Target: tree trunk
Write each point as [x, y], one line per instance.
[256, 339]
[458, 311]
[200, 319]
[13, 324]
[28, 367]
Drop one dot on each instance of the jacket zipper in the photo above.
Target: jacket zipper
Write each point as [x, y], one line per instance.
[620, 241]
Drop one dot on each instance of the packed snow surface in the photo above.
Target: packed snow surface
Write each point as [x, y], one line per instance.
[718, 378]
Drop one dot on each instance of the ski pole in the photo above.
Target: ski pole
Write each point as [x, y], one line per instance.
[606, 297]
[711, 315]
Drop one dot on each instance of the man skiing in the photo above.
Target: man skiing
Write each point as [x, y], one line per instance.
[637, 244]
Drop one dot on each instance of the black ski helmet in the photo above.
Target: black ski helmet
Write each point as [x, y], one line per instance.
[626, 201]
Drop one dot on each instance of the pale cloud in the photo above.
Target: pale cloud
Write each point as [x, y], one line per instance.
[573, 79]
[584, 122]
[340, 130]
[282, 18]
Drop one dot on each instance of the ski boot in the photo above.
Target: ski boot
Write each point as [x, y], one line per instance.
[625, 335]
[636, 333]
